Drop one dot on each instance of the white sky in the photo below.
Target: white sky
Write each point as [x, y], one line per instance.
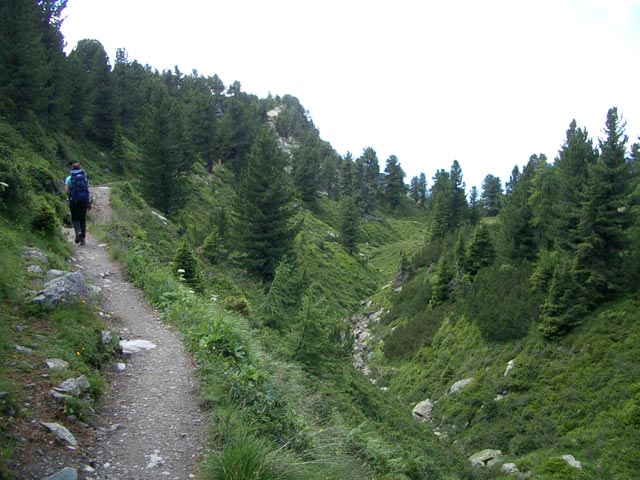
[485, 82]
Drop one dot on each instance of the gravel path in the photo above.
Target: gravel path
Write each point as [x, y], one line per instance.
[153, 423]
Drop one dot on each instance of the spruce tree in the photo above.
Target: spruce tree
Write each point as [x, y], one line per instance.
[491, 196]
[161, 183]
[347, 176]
[481, 252]
[23, 58]
[349, 224]
[394, 187]
[605, 215]
[263, 208]
[458, 200]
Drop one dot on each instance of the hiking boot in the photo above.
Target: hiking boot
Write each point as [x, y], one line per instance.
[77, 240]
[82, 239]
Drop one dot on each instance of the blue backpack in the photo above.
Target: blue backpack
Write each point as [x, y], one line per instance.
[79, 191]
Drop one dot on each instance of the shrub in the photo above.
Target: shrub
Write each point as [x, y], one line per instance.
[419, 331]
[501, 302]
[45, 219]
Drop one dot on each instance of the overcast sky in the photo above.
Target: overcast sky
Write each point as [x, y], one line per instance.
[485, 82]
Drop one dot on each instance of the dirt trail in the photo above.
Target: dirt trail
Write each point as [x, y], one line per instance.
[153, 425]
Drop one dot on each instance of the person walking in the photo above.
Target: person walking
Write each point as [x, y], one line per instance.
[76, 186]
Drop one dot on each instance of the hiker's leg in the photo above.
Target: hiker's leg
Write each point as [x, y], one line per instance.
[75, 219]
[82, 211]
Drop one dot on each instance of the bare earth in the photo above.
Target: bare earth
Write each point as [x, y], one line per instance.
[153, 424]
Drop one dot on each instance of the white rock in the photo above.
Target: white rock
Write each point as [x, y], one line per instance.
[61, 433]
[134, 346]
[510, 365]
[459, 385]
[570, 459]
[56, 363]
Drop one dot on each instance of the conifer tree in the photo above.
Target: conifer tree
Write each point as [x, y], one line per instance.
[394, 187]
[605, 215]
[347, 176]
[572, 171]
[161, 184]
[306, 172]
[413, 190]
[442, 287]
[458, 200]
[491, 196]
[441, 201]
[475, 207]
[481, 252]
[263, 208]
[367, 180]
[349, 224]
[23, 58]
[422, 190]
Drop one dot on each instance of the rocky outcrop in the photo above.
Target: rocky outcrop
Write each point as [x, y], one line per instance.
[361, 339]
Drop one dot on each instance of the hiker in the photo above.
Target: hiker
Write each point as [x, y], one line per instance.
[76, 186]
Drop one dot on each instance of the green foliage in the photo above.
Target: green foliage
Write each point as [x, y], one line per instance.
[263, 209]
[283, 295]
[558, 469]
[245, 457]
[407, 339]
[186, 266]
[45, 219]
[565, 305]
[481, 252]
[349, 224]
[318, 334]
[501, 301]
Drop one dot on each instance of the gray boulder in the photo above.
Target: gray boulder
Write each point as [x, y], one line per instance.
[74, 386]
[67, 289]
[67, 473]
[423, 410]
[54, 273]
[61, 433]
[56, 364]
[485, 458]
[459, 385]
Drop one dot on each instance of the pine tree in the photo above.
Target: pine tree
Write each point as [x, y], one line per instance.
[349, 224]
[481, 252]
[367, 180]
[458, 207]
[444, 276]
[475, 207]
[347, 176]
[491, 196]
[306, 172]
[441, 201]
[394, 187]
[23, 58]
[161, 184]
[605, 215]
[263, 208]
[572, 170]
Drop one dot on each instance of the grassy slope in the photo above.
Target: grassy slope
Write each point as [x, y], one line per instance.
[31, 211]
[577, 396]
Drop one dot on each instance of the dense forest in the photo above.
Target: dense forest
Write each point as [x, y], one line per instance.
[274, 245]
